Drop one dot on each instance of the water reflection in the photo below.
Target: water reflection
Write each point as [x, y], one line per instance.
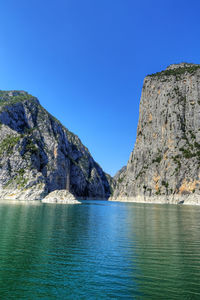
[168, 253]
[99, 250]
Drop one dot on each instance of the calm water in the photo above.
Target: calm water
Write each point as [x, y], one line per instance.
[99, 250]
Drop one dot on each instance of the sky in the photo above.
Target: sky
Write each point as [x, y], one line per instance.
[85, 60]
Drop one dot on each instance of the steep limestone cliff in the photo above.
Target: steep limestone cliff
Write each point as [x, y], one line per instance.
[164, 165]
[38, 155]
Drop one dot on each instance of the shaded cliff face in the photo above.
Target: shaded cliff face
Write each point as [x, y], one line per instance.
[39, 155]
[118, 179]
[166, 156]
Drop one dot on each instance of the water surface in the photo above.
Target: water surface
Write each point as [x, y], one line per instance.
[99, 250]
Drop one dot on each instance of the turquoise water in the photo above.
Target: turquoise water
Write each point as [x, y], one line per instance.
[99, 250]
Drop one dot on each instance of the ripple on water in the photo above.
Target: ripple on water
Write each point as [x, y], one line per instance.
[99, 250]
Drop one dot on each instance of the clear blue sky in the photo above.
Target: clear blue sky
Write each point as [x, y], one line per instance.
[86, 60]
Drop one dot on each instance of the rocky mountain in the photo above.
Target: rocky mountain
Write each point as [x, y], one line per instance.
[118, 178]
[165, 163]
[38, 155]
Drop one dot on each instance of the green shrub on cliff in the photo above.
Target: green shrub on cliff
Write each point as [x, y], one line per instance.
[176, 71]
[8, 144]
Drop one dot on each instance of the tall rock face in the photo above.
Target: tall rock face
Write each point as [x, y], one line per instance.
[38, 155]
[165, 163]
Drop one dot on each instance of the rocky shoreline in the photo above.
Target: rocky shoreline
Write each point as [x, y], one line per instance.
[65, 197]
[191, 199]
[61, 196]
[57, 196]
